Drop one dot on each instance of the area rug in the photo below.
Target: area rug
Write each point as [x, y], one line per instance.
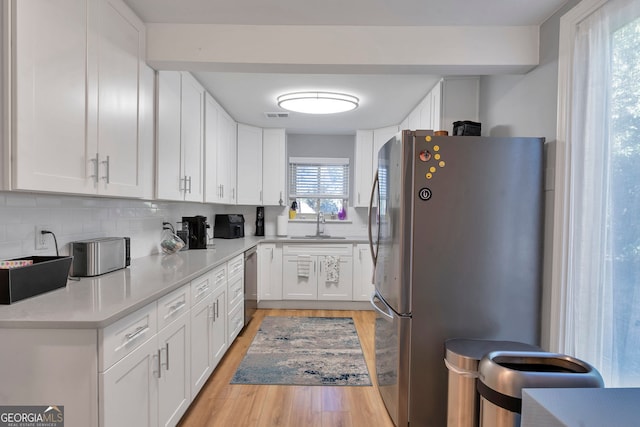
[304, 351]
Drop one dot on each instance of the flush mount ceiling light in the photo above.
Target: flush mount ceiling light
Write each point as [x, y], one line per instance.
[318, 102]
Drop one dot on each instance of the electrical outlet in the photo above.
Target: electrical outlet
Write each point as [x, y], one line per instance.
[42, 240]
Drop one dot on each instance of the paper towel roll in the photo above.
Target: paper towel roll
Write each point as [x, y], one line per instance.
[281, 225]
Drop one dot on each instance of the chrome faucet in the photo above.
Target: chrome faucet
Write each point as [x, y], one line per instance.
[319, 220]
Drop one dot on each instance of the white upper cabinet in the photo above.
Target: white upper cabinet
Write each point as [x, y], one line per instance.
[169, 182]
[211, 131]
[192, 137]
[120, 58]
[180, 138]
[51, 150]
[451, 99]
[368, 143]
[274, 169]
[380, 137]
[249, 179]
[220, 154]
[364, 168]
[459, 101]
[147, 131]
[228, 160]
[76, 84]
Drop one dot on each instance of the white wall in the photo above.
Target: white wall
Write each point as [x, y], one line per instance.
[526, 105]
[74, 218]
[328, 146]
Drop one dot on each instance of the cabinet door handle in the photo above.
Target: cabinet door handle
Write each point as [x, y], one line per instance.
[106, 177]
[260, 195]
[189, 180]
[281, 202]
[166, 350]
[159, 371]
[96, 169]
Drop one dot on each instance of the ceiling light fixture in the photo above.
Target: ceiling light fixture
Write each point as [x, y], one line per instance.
[318, 102]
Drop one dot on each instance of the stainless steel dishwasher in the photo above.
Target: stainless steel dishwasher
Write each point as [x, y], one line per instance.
[250, 284]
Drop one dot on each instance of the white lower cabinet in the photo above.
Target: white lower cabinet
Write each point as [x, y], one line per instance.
[338, 287]
[362, 273]
[201, 337]
[208, 330]
[305, 271]
[299, 286]
[150, 386]
[148, 366]
[235, 297]
[236, 321]
[219, 343]
[269, 271]
[174, 374]
[129, 389]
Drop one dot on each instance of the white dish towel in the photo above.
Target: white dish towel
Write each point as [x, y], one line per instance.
[304, 265]
[333, 268]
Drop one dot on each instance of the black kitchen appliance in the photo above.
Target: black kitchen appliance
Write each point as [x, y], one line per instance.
[197, 231]
[228, 226]
[260, 221]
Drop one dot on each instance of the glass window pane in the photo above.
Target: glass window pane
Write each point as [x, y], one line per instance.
[624, 204]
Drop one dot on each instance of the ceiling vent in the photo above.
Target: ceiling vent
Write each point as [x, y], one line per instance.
[277, 115]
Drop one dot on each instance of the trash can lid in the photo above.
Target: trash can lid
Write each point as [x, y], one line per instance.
[465, 354]
[508, 372]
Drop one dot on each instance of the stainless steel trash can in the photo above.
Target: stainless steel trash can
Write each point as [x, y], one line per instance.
[461, 359]
[503, 375]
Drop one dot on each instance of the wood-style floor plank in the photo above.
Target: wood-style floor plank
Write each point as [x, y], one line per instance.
[220, 404]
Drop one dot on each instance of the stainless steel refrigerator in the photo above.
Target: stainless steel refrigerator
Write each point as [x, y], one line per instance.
[457, 248]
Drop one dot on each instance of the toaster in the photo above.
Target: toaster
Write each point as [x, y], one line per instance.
[94, 257]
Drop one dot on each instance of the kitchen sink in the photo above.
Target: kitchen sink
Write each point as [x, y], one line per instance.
[313, 236]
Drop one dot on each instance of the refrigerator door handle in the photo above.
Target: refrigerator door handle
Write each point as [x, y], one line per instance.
[386, 312]
[374, 254]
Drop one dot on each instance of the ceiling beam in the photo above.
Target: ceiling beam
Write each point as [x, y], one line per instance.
[444, 50]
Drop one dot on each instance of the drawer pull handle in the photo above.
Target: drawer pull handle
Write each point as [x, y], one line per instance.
[201, 291]
[131, 336]
[174, 309]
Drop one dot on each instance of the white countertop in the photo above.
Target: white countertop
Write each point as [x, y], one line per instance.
[580, 407]
[95, 302]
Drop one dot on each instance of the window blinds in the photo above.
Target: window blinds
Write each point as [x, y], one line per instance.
[326, 178]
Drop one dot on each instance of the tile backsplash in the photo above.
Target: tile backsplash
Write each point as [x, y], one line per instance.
[74, 218]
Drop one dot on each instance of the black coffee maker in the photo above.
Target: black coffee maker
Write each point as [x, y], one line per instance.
[260, 221]
[197, 231]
